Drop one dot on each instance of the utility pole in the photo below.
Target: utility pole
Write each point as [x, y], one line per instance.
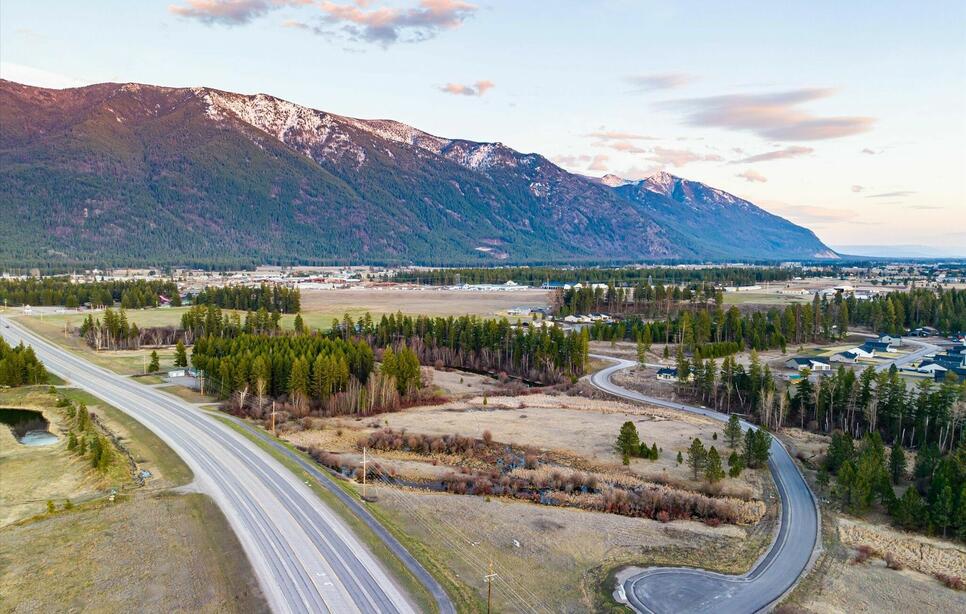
[363, 473]
[488, 578]
[273, 418]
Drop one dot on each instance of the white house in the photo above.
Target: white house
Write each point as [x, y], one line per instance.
[847, 357]
[667, 374]
[862, 352]
[890, 339]
[804, 362]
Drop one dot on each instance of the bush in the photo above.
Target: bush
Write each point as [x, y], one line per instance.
[892, 562]
[954, 582]
[862, 554]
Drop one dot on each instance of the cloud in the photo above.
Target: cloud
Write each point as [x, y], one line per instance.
[666, 81]
[477, 89]
[38, 77]
[388, 25]
[779, 154]
[775, 116]
[857, 188]
[599, 163]
[752, 176]
[925, 207]
[621, 146]
[570, 160]
[229, 12]
[354, 21]
[608, 135]
[817, 215]
[896, 194]
[869, 152]
[680, 157]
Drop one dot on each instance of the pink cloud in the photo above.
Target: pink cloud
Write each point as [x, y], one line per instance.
[229, 12]
[477, 89]
[387, 25]
[599, 163]
[788, 152]
[607, 135]
[680, 157]
[775, 116]
[752, 176]
[646, 83]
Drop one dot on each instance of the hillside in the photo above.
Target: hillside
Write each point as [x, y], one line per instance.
[138, 174]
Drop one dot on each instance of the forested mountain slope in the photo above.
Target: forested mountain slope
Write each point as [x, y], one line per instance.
[114, 174]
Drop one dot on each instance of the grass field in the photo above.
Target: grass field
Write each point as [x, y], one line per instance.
[152, 553]
[32, 475]
[149, 550]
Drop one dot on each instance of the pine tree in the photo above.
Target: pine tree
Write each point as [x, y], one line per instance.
[897, 463]
[941, 510]
[180, 355]
[680, 457]
[909, 510]
[155, 364]
[732, 431]
[712, 466]
[628, 441]
[696, 457]
[735, 465]
[299, 325]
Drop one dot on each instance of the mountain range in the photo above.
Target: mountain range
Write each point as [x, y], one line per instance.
[132, 174]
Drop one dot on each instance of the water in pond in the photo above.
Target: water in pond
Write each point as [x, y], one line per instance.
[28, 426]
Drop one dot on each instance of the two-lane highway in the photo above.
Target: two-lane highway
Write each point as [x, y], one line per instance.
[304, 555]
[662, 590]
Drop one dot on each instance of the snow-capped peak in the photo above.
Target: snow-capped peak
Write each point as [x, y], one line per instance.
[613, 181]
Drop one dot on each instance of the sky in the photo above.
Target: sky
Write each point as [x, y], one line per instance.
[848, 118]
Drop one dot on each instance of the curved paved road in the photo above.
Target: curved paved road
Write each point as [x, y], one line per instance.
[660, 590]
[305, 557]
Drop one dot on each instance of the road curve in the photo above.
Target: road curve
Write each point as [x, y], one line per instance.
[305, 557]
[660, 590]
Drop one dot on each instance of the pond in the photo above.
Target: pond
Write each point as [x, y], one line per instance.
[28, 426]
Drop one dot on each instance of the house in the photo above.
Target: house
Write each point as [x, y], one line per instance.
[571, 319]
[877, 346]
[667, 374]
[930, 366]
[804, 362]
[890, 339]
[950, 360]
[958, 372]
[861, 352]
[846, 357]
[924, 331]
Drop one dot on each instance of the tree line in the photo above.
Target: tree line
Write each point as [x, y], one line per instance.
[882, 403]
[934, 500]
[546, 355]
[272, 298]
[19, 366]
[623, 276]
[309, 372]
[54, 291]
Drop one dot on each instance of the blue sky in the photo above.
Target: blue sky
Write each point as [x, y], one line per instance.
[848, 119]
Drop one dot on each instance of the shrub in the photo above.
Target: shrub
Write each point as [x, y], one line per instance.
[862, 554]
[954, 582]
[892, 562]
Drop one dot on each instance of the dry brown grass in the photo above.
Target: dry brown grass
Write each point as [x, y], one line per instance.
[152, 554]
[926, 555]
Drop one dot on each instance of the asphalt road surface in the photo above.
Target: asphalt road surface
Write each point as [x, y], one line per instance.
[674, 590]
[305, 557]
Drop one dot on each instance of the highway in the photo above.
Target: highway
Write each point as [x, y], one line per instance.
[305, 557]
[660, 590]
